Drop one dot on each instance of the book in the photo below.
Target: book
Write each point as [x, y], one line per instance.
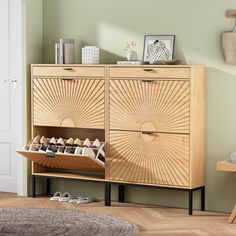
[66, 51]
[57, 58]
[69, 53]
[129, 62]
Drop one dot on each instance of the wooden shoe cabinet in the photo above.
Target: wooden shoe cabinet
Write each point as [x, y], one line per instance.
[152, 119]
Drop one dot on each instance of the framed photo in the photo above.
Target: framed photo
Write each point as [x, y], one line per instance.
[158, 48]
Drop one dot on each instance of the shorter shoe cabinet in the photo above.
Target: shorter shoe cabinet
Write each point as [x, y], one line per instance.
[150, 120]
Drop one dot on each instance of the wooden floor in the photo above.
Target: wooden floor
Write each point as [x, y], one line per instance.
[151, 220]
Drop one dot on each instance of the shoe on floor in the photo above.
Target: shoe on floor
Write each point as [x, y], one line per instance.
[56, 196]
[85, 200]
[66, 197]
[75, 199]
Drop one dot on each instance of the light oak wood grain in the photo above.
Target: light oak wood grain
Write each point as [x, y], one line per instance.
[68, 71]
[149, 158]
[197, 127]
[162, 106]
[69, 103]
[149, 72]
[64, 161]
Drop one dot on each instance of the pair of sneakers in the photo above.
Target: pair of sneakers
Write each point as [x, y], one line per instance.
[67, 197]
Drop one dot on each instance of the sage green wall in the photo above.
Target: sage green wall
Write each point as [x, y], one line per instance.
[32, 12]
[109, 24]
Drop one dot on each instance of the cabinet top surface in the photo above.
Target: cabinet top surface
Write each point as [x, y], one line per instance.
[113, 65]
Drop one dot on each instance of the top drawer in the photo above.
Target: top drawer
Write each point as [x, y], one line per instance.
[68, 71]
[150, 72]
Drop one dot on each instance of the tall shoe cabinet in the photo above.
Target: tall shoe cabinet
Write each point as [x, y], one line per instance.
[152, 119]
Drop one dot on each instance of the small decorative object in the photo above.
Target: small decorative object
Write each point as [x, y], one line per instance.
[129, 62]
[229, 46]
[131, 54]
[158, 48]
[90, 55]
[171, 62]
[233, 157]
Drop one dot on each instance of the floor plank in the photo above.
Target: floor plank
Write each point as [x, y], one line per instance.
[151, 220]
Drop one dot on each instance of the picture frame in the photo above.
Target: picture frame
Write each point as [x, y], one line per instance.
[158, 48]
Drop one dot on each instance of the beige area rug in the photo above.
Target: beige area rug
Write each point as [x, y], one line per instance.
[49, 222]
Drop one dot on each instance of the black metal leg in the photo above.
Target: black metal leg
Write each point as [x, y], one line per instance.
[48, 185]
[107, 194]
[33, 186]
[203, 198]
[121, 193]
[190, 202]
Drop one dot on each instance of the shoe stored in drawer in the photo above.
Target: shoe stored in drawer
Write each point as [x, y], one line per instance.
[71, 154]
[152, 158]
[69, 102]
[150, 105]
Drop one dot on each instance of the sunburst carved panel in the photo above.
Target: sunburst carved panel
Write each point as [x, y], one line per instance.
[149, 158]
[69, 103]
[162, 106]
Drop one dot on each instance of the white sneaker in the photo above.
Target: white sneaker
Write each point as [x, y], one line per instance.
[56, 196]
[88, 152]
[78, 150]
[66, 197]
[96, 143]
[87, 143]
[85, 200]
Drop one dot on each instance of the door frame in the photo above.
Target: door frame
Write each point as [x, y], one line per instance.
[17, 73]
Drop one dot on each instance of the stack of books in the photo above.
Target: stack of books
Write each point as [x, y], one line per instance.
[65, 51]
[90, 55]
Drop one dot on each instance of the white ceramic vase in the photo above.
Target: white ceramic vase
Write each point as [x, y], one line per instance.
[132, 56]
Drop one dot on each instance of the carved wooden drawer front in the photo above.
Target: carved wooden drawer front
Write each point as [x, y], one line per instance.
[69, 102]
[68, 71]
[154, 105]
[149, 72]
[149, 158]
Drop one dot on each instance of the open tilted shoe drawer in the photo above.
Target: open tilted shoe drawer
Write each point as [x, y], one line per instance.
[64, 161]
[69, 161]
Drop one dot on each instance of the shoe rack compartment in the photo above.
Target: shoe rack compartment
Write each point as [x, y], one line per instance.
[154, 105]
[69, 102]
[145, 157]
[64, 161]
